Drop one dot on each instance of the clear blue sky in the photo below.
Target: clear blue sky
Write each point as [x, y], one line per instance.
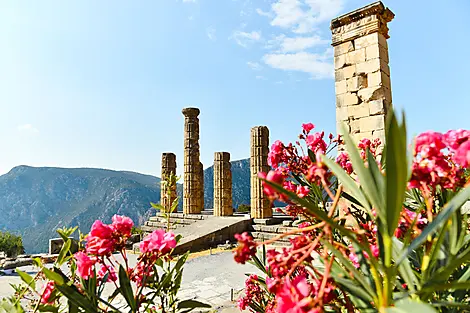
[102, 83]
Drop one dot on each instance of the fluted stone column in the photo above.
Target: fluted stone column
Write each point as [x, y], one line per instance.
[168, 168]
[260, 206]
[222, 184]
[192, 166]
[362, 74]
[201, 186]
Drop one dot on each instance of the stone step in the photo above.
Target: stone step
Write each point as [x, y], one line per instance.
[182, 216]
[277, 229]
[162, 220]
[148, 229]
[261, 236]
[163, 225]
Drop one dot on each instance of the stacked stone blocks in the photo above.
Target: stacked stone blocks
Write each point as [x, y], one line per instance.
[168, 168]
[260, 206]
[193, 192]
[222, 184]
[362, 74]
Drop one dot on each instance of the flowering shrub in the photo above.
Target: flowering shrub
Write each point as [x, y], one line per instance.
[151, 285]
[394, 239]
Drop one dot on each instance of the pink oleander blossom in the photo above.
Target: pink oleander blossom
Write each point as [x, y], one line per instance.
[273, 177]
[85, 265]
[100, 230]
[47, 293]
[107, 270]
[454, 138]
[246, 248]
[99, 246]
[158, 241]
[302, 191]
[462, 155]
[122, 225]
[294, 296]
[307, 127]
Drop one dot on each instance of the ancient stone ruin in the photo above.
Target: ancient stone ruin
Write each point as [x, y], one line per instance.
[168, 168]
[193, 193]
[222, 184]
[260, 206]
[362, 74]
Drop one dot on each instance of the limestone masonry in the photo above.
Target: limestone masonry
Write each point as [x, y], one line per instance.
[362, 74]
[168, 167]
[193, 194]
[222, 184]
[260, 206]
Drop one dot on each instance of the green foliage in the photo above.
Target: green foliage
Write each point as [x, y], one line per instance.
[243, 208]
[137, 230]
[11, 244]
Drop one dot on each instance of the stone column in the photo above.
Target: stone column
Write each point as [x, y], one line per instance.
[192, 173]
[168, 167]
[362, 74]
[222, 184]
[260, 206]
[201, 186]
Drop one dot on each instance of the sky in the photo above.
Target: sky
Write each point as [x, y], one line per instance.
[88, 83]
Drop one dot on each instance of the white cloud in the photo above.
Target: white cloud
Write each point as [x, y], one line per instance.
[254, 65]
[301, 16]
[27, 128]
[316, 65]
[292, 44]
[246, 38]
[262, 13]
[210, 31]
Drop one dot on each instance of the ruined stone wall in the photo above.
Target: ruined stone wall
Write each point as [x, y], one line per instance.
[260, 206]
[362, 73]
[222, 184]
[168, 168]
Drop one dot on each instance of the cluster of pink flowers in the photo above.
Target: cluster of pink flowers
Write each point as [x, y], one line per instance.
[253, 293]
[47, 293]
[104, 239]
[440, 159]
[246, 248]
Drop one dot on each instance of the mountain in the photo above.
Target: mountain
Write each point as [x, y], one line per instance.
[35, 201]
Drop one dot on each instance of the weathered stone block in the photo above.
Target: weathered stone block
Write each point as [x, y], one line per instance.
[355, 126]
[340, 61]
[376, 107]
[373, 65]
[343, 48]
[379, 133]
[371, 123]
[346, 99]
[378, 78]
[375, 52]
[340, 87]
[358, 111]
[357, 82]
[371, 93]
[369, 40]
[356, 56]
[342, 114]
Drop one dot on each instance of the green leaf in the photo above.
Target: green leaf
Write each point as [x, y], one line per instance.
[405, 269]
[63, 251]
[192, 304]
[257, 262]
[396, 172]
[350, 185]
[48, 308]
[181, 261]
[56, 277]
[74, 296]
[126, 288]
[28, 279]
[446, 286]
[72, 307]
[408, 305]
[452, 206]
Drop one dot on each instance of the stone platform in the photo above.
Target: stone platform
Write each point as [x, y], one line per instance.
[200, 231]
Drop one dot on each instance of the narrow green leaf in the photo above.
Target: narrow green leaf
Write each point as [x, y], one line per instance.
[405, 269]
[192, 304]
[74, 296]
[181, 261]
[63, 251]
[126, 288]
[454, 204]
[28, 279]
[409, 305]
[57, 278]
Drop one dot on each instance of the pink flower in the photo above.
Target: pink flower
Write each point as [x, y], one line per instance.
[294, 296]
[302, 191]
[122, 225]
[375, 250]
[99, 246]
[105, 270]
[85, 265]
[274, 177]
[100, 230]
[316, 143]
[308, 127]
[454, 138]
[47, 293]
[158, 241]
[462, 155]
[246, 248]
[429, 143]
[343, 161]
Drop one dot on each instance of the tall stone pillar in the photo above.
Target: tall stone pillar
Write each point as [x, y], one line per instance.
[222, 184]
[362, 74]
[192, 166]
[260, 206]
[168, 167]
[201, 186]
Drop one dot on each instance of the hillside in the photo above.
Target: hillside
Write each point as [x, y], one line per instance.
[34, 201]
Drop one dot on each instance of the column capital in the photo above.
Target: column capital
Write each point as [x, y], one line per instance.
[222, 156]
[366, 20]
[191, 112]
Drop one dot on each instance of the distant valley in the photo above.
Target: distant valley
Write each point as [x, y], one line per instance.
[35, 201]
